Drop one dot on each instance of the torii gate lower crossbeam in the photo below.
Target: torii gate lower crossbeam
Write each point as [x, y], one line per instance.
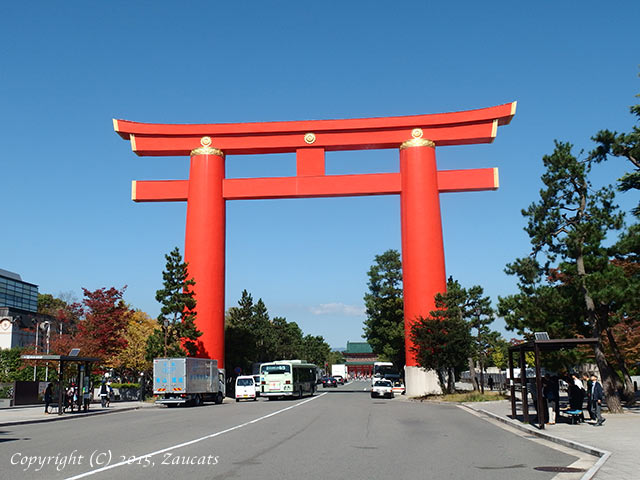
[418, 183]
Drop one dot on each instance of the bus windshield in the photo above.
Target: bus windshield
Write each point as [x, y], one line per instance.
[275, 369]
[385, 370]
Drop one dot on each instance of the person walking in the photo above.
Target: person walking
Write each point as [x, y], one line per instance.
[597, 395]
[490, 382]
[48, 397]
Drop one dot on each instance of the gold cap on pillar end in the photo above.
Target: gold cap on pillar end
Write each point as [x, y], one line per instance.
[206, 148]
[417, 140]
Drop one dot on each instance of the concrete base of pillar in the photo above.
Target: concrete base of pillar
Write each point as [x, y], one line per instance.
[419, 382]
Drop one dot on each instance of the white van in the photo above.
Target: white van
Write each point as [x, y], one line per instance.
[245, 388]
[256, 380]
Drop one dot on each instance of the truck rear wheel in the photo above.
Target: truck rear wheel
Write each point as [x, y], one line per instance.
[219, 398]
[197, 401]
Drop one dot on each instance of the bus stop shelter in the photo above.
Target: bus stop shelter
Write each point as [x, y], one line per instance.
[84, 364]
[538, 347]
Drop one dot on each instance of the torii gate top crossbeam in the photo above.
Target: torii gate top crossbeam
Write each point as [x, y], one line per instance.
[454, 128]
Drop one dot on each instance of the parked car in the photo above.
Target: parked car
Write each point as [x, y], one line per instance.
[339, 379]
[245, 388]
[329, 382]
[382, 388]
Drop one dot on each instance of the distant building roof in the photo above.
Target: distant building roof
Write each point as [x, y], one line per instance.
[11, 275]
[358, 347]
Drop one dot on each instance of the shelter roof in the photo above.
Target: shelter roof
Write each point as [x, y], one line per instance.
[63, 358]
[552, 344]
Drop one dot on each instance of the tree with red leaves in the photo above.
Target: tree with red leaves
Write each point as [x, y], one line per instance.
[101, 331]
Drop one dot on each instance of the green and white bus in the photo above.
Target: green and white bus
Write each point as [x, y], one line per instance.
[287, 378]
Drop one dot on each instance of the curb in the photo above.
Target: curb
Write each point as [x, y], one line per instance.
[68, 416]
[589, 474]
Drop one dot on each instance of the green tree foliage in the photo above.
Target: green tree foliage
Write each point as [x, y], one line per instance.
[334, 358]
[627, 249]
[245, 329]
[575, 288]
[13, 369]
[622, 145]
[315, 350]
[470, 313]
[65, 314]
[384, 326]
[251, 336]
[178, 312]
[498, 353]
[441, 343]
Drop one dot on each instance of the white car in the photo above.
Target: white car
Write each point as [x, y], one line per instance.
[245, 388]
[382, 388]
[398, 388]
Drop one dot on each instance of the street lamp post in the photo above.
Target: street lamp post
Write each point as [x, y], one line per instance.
[46, 372]
[35, 368]
[481, 343]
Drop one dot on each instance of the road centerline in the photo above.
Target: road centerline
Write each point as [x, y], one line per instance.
[191, 442]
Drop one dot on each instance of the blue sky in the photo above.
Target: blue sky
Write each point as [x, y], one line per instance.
[68, 68]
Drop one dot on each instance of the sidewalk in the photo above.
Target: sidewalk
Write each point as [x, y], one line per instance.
[35, 413]
[619, 436]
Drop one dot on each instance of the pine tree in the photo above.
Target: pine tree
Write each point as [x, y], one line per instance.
[178, 333]
[384, 326]
[567, 227]
[442, 341]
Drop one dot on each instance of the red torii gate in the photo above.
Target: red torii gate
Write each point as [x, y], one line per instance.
[418, 183]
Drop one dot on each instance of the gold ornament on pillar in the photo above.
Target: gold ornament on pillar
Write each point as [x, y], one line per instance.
[206, 148]
[417, 140]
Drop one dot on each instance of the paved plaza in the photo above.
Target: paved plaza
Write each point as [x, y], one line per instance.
[616, 441]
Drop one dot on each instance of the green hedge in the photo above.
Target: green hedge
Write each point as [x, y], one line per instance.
[125, 385]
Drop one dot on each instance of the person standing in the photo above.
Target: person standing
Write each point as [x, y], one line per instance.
[104, 394]
[552, 394]
[490, 382]
[597, 395]
[586, 380]
[48, 397]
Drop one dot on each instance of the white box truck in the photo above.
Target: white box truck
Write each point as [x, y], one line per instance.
[187, 381]
[339, 370]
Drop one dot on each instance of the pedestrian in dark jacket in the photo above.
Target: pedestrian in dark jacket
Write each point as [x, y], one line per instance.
[597, 396]
[48, 397]
[588, 384]
[551, 392]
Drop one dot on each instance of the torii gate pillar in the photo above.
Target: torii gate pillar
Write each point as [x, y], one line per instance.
[204, 249]
[423, 267]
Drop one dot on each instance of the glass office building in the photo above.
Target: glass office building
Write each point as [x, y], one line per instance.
[15, 293]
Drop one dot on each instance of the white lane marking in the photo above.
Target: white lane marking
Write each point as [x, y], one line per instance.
[190, 442]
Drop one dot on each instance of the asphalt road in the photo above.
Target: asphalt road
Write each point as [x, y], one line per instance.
[337, 434]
